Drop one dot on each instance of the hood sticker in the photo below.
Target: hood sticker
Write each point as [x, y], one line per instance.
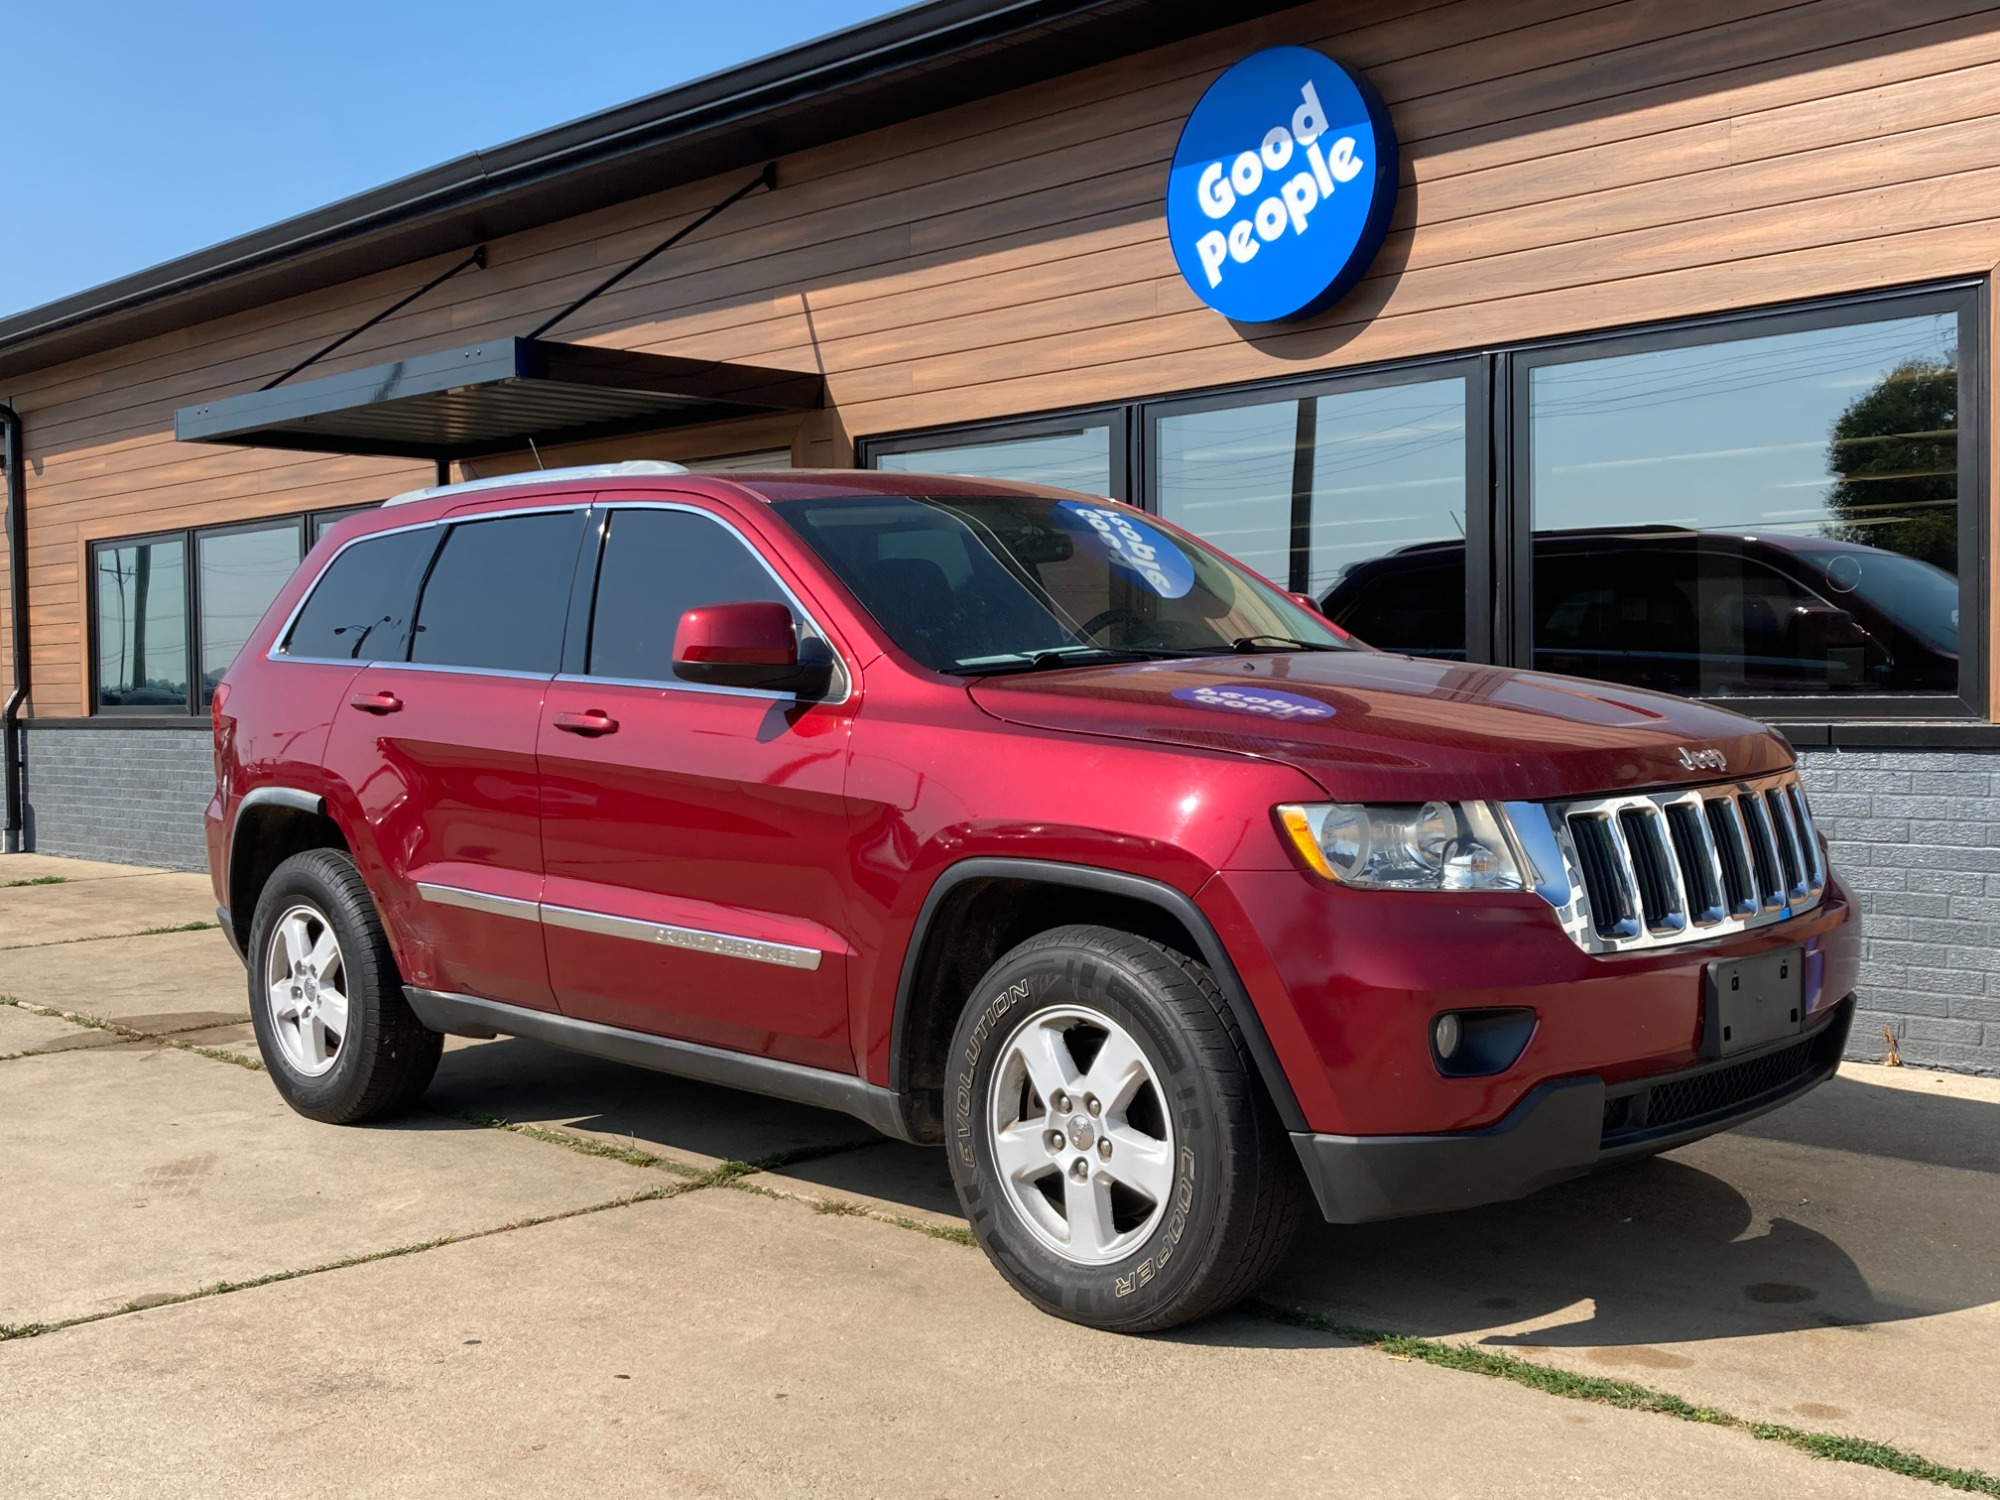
[1133, 545]
[1266, 703]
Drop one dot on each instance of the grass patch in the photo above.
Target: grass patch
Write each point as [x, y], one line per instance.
[1630, 1396]
[583, 1145]
[15, 885]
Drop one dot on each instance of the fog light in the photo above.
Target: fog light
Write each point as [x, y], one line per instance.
[1445, 1035]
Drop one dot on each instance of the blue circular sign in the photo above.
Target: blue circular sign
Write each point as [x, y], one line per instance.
[1282, 186]
[1265, 703]
[1136, 547]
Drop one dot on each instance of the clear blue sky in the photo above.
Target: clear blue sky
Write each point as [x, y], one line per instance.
[138, 131]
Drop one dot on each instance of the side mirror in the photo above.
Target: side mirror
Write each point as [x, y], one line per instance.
[749, 644]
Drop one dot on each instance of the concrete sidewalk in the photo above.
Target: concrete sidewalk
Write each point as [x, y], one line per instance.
[249, 1303]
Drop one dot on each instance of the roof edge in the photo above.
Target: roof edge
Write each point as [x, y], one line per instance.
[756, 110]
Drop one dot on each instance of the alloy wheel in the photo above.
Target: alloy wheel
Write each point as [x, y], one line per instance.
[306, 980]
[1080, 1134]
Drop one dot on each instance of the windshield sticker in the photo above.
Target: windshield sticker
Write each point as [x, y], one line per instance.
[1267, 703]
[1132, 544]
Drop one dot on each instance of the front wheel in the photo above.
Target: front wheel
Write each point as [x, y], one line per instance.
[1109, 1141]
[337, 1036]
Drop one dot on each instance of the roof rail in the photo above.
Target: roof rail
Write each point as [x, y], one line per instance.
[630, 468]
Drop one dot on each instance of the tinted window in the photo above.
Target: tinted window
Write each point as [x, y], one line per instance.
[657, 565]
[360, 608]
[241, 572]
[142, 645]
[498, 593]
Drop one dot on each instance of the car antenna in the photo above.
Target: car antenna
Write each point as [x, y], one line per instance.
[538, 454]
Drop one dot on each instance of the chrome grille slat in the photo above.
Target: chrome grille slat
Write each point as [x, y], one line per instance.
[1700, 864]
[1646, 869]
[1809, 836]
[1763, 848]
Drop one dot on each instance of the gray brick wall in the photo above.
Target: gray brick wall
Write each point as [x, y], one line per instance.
[132, 795]
[1916, 839]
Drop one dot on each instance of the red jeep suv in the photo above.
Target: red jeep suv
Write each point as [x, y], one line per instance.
[1014, 821]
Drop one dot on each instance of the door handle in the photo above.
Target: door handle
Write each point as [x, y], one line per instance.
[590, 723]
[376, 703]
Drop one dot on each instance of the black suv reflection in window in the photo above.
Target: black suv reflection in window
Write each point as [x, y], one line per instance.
[1700, 613]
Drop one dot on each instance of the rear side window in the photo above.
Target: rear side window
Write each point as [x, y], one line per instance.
[360, 608]
[658, 564]
[498, 594]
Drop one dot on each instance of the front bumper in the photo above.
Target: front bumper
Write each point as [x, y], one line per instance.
[1564, 1128]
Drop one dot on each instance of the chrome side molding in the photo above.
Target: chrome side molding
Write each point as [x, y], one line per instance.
[693, 939]
[786, 955]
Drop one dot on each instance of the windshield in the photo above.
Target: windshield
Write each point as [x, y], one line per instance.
[998, 583]
[1923, 599]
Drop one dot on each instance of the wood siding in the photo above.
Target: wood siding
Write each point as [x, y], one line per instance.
[1568, 165]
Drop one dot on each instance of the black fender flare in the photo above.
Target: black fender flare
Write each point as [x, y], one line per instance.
[1175, 903]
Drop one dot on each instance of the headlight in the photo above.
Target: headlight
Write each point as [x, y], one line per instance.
[1429, 846]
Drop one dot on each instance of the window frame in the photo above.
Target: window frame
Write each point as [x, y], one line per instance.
[95, 643]
[1499, 568]
[190, 538]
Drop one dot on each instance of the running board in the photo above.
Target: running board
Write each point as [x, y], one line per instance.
[467, 1015]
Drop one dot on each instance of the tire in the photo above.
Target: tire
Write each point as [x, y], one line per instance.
[1195, 1199]
[326, 998]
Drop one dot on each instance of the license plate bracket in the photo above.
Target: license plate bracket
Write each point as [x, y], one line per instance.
[1751, 1001]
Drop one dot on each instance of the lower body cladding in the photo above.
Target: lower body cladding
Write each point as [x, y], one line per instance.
[468, 1015]
[1565, 1128]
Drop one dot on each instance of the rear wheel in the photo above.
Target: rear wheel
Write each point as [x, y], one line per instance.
[326, 999]
[1109, 1141]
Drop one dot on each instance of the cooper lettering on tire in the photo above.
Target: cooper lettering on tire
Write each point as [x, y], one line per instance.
[1111, 1145]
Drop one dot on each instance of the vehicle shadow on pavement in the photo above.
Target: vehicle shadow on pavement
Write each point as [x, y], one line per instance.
[1857, 1205]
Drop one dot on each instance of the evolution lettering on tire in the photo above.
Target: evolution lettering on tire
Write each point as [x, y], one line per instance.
[1110, 1144]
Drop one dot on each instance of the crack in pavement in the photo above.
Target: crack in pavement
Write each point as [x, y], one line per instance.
[128, 1034]
[105, 937]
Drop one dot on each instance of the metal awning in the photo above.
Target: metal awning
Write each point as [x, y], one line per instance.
[496, 397]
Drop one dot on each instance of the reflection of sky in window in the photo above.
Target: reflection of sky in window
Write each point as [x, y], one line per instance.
[1728, 436]
[117, 614]
[1388, 471]
[1078, 460]
[241, 573]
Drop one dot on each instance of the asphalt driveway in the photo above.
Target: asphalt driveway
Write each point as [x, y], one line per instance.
[567, 1277]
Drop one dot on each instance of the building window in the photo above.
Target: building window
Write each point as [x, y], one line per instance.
[1768, 515]
[239, 573]
[153, 616]
[1085, 453]
[1310, 489]
[1777, 510]
[142, 620]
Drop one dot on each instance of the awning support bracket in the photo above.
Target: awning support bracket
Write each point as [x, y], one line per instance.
[477, 258]
[768, 178]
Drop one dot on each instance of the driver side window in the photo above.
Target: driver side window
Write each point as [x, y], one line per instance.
[658, 564]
